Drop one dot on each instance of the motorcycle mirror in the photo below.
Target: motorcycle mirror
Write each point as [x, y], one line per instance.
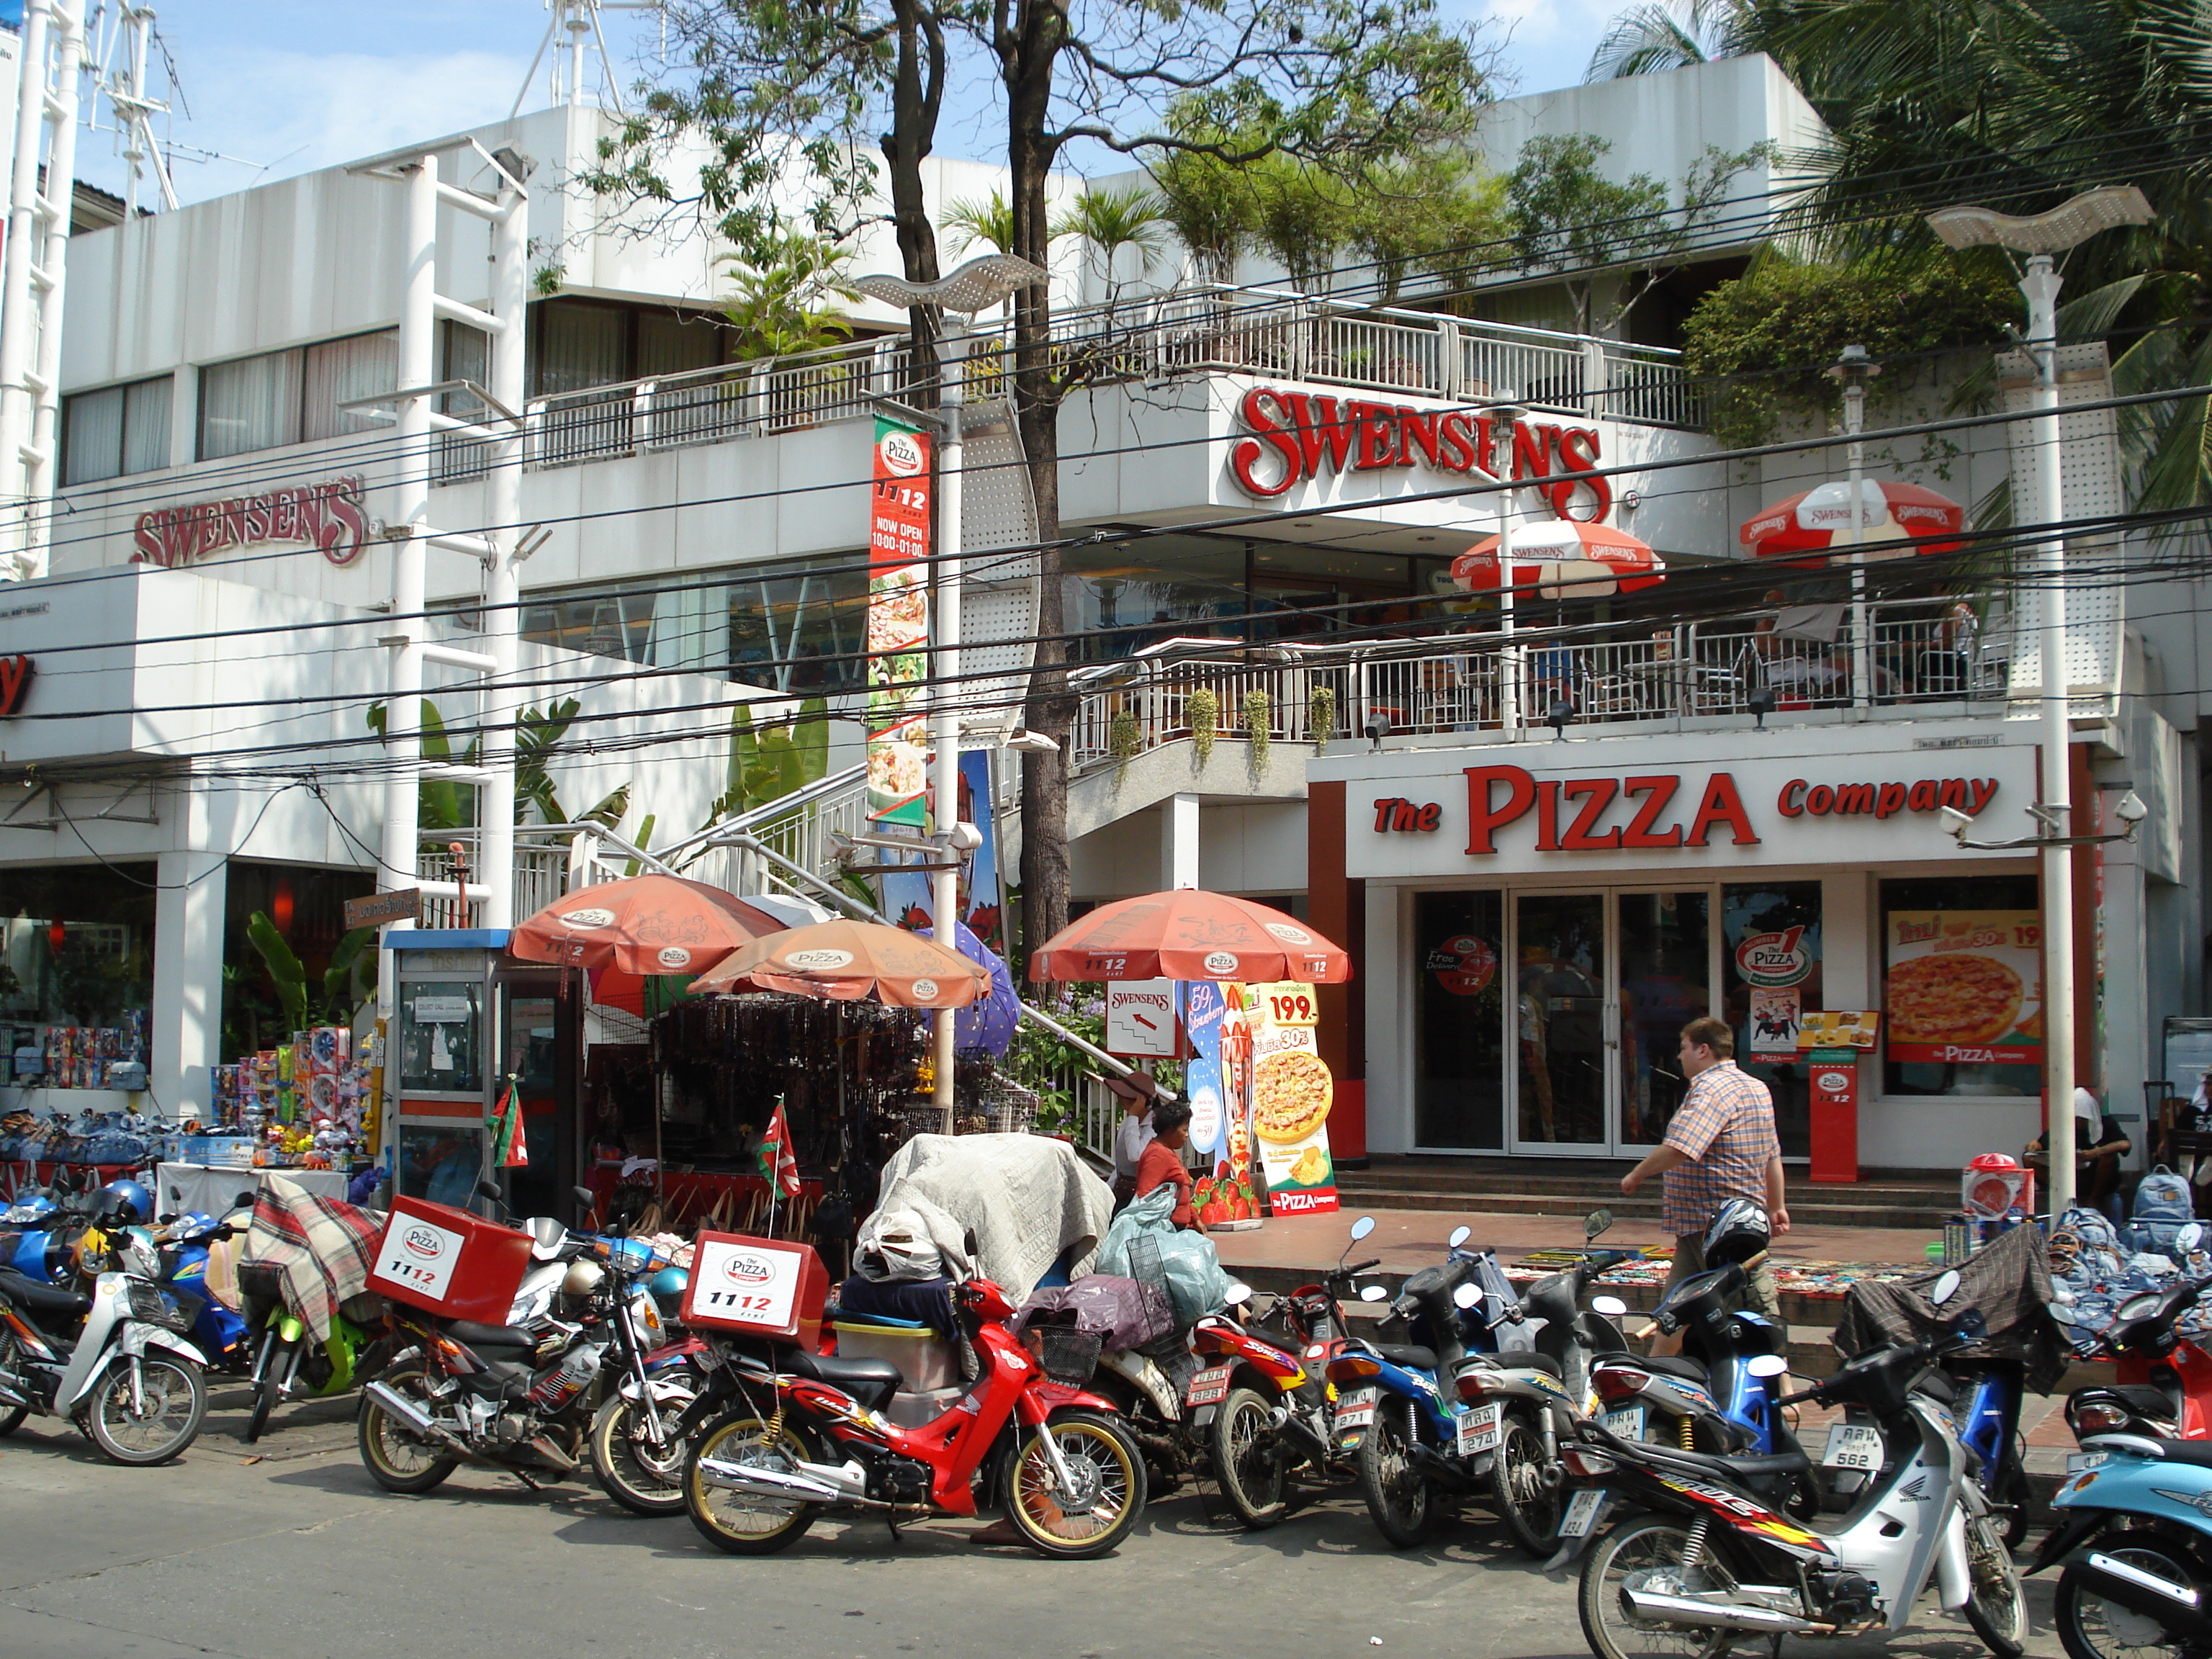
[2190, 1237]
[243, 1199]
[1767, 1365]
[166, 1220]
[176, 1194]
[2063, 1314]
[1466, 1296]
[490, 1189]
[1372, 1293]
[1459, 1236]
[1943, 1289]
[1611, 1306]
[1362, 1227]
[1597, 1222]
[585, 1196]
[1237, 1294]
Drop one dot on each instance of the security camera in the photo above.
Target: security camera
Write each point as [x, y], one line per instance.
[2129, 809]
[1761, 700]
[964, 836]
[1027, 742]
[1954, 823]
[1376, 729]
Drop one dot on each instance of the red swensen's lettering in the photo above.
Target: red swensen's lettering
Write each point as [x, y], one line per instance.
[328, 516]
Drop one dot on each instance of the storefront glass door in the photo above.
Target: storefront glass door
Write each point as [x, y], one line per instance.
[1666, 967]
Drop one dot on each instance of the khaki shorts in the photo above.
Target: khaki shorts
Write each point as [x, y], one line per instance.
[1759, 1294]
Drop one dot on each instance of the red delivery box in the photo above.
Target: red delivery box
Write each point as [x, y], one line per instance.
[456, 1264]
[757, 1286]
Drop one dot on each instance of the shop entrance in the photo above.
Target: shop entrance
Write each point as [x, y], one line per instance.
[1603, 982]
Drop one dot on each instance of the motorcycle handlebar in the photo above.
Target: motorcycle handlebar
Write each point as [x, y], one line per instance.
[1357, 1268]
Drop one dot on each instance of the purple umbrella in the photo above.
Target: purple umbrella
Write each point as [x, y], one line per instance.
[988, 1022]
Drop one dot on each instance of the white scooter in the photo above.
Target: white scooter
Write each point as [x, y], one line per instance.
[118, 1361]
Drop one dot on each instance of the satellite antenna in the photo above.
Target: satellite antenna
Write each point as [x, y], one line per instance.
[127, 33]
[572, 33]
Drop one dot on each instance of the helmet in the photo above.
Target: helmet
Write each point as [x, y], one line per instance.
[125, 1203]
[584, 1276]
[1738, 1232]
[668, 1286]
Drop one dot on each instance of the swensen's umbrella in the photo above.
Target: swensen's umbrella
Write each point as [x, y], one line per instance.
[1818, 520]
[1564, 558]
[845, 960]
[625, 932]
[1189, 934]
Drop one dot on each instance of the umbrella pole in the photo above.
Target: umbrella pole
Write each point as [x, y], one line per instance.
[1853, 371]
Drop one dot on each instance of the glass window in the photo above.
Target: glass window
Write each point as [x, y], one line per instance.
[670, 343]
[580, 345]
[1771, 970]
[441, 1036]
[116, 431]
[338, 372]
[1962, 996]
[252, 404]
[1559, 1020]
[1459, 1076]
[1665, 953]
[78, 943]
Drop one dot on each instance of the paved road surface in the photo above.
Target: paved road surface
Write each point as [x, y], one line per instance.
[298, 1556]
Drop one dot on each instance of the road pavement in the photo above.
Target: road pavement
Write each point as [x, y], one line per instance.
[285, 1550]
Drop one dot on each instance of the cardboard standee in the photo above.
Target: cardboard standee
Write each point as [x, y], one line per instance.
[764, 1287]
[452, 1263]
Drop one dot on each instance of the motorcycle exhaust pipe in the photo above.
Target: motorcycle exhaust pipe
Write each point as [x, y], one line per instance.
[1443, 1470]
[1720, 1615]
[2179, 1607]
[771, 1483]
[419, 1419]
[8, 1396]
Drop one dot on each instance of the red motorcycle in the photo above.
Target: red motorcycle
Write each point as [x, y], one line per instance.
[808, 1436]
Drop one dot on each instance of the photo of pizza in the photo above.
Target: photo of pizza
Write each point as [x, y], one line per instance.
[1312, 1167]
[1953, 999]
[898, 610]
[1291, 1092]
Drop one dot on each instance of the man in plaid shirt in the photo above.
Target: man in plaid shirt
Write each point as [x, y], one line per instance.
[1720, 1146]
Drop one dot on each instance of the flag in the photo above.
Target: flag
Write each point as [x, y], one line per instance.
[510, 1147]
[776, 1163]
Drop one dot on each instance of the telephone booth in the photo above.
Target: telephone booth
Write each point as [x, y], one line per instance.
[466, 1019]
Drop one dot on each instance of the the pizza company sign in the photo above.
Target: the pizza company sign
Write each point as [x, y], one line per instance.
[329, 517]
[1294, 436]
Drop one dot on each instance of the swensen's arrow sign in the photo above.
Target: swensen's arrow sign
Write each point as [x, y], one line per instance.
[380, 908]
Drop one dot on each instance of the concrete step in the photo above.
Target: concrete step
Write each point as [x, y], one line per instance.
[1807, 1204]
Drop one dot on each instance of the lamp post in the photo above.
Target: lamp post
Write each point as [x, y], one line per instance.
[1855, 371]
[1503, 415]
[2041, 238]
[976, 286]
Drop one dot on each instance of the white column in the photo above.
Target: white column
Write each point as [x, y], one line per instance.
[503, 585]
[185, 1029]
[944, 621]
[1179, 841]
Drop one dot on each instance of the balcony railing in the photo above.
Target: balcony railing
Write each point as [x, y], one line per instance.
[1193, 331]
[1775, 663]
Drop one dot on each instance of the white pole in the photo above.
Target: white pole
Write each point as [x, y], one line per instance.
[503, 585]
[18, 324]
[944, 896]
[2041, 285]
[1509, 689]
[1861, 641]
[403, 731]
[43, 465]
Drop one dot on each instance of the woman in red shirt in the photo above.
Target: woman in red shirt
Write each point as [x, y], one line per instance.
[1162, 1162]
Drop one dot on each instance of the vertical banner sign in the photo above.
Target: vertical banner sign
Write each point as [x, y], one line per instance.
[1292, 1091]
[982, 903]
[898, 625]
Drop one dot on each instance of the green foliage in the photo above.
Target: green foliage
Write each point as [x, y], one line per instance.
[1657, 36]
[344, 987]
[1203, 708]
[1107, 220]
[781, 305]
[439, 805]
[777, 758]
[985, 219]
[284, 969]
[1125, 737]
[1320, 715]
[1207, 203]
[1257, 709]
[537, 738]
[1762, 342]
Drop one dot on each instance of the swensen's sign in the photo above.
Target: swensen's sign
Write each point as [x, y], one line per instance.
[1294, 436]
[329, 517]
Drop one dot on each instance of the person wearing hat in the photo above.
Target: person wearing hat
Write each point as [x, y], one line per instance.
[2100, 1144]
[1136, 1092]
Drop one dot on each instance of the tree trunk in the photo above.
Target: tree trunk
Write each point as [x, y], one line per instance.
[917, 93]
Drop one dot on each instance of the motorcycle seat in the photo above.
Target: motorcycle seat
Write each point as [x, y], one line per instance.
[37, 1299]
[1671, 1365]
[1527, 1359]
[1402, 1353]
[2196, 1452]
[871, 1382]
[1727, 1468]
[490, 1336]
[2139, 1398]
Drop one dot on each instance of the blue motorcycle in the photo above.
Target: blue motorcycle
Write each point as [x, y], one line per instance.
[2134, 1541]
[222, 1332]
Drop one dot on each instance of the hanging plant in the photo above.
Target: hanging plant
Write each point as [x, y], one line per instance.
[1255, 727]
[1320, 716]
[1124, 737]
[1204, 709]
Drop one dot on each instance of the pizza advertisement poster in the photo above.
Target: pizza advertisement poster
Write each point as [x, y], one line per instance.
[1775, 1018]
[1965, 987]
[1292, 1091]
[898, 625]
[1838, 1028]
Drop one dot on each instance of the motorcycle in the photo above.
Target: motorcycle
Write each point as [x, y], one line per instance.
[2164, 1378]
[284, 1362]
[637, 1442]
[1701, 1558]
[759, 1476]
[2132, 1541]
[117, 1361]
[181, 1249]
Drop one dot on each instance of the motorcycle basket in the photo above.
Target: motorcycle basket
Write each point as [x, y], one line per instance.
[1067, 1354]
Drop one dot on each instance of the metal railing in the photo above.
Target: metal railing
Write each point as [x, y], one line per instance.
[1775, 662]
[1188, 332]
[540, 875]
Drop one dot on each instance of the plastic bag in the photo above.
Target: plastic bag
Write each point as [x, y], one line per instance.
[1196, 1282]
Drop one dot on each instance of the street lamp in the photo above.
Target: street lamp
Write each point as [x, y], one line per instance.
[976, 286]
[2040, 237]
[1855, 370]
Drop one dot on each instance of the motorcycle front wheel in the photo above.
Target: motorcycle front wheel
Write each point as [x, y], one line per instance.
[11, 1363]
[1996, 1606]
[2090, 1627]
[742, 1523]
[1396, 1490]
[155, 1423]
[1528, 1507]
[637, 1476]
[1649, 1543]
[1102, 1460]
[1247, 1459]
[397, 1459]
[265, 1402]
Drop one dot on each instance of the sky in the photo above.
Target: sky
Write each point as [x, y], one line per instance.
[268, 88]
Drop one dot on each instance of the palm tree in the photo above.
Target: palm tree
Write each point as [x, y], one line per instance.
[987, 219]
[1666, 34]
[1107, 220]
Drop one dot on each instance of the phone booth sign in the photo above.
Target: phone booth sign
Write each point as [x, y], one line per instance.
[763, 1287]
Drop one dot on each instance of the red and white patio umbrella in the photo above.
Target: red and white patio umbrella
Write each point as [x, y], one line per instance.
[1564, 558]
[1818, 520]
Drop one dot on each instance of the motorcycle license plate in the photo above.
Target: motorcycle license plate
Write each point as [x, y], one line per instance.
[1209, 1388]
[1584, 1510]
[1355, 1411]
[1627, 1422]
[1478, 1430]
[2077, 1461]
[1853, 1446]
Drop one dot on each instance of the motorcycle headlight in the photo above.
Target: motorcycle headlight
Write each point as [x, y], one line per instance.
[645, 1319]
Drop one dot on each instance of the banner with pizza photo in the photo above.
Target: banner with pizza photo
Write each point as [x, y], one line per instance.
[1292, 1091]
[1965, 987]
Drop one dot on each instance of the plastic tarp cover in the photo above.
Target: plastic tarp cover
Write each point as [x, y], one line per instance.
[1027, 1200]
[1196, 1282]
[1115, 1309]
[2009, 1280]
